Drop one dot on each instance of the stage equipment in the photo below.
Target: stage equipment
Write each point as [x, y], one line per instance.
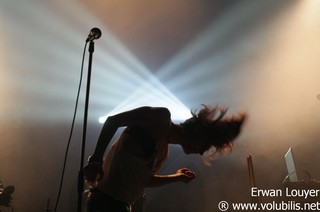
[95, 33]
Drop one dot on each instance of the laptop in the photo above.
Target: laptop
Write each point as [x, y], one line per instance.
[291, 167]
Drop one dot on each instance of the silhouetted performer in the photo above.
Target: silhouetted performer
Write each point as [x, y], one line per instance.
[132, 163]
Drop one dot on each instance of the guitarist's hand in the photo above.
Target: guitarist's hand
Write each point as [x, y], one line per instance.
[93, 173]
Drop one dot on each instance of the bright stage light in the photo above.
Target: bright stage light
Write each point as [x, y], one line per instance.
[124, 83]
[44, 60]
[152, 93]
[43, 43]
[202, 61]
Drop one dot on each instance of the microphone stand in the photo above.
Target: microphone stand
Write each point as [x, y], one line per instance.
[85, 120]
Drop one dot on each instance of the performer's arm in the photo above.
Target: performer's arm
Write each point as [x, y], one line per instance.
[182, 175]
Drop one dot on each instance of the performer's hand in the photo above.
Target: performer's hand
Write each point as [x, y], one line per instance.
[186, 175]
[92, 173]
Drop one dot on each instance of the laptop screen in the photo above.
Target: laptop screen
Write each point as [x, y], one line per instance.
[291, 167]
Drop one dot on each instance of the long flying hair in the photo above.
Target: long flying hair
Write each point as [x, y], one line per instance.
[218, 130]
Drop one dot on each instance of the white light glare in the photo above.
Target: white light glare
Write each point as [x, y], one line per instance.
[152, 93]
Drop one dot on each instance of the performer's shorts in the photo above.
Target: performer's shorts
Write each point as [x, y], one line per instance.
[98, 201]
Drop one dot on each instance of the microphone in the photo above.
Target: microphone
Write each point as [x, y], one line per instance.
[95, 33]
